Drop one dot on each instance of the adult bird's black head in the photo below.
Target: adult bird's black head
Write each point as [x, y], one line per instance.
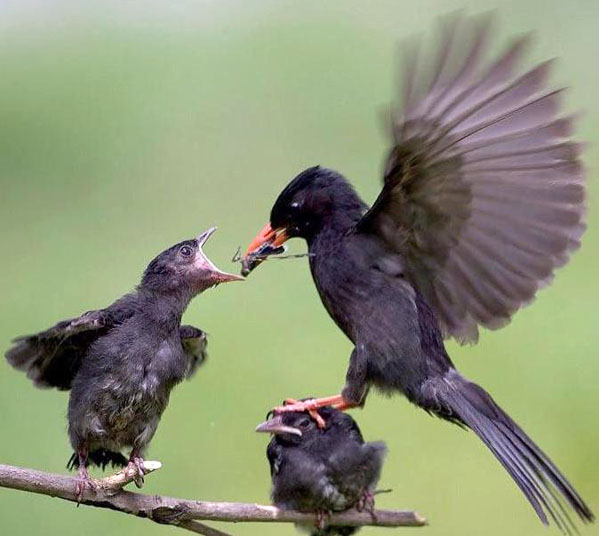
[314, 200]
[184, 268]
[483, 198]
[317, 197]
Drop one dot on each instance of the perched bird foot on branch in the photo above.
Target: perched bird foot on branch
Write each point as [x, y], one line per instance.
[366, 503]
[322, 519]
[83, 480]
[136, 469]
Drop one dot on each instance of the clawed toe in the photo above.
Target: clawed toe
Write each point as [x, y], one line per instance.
[83, 481]
[310, 406]
[79, 489]
[136, 468]
[322, 519]
[366, 503]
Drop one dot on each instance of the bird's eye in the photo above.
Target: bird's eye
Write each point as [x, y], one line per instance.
[185, 251]
[296, 205]
[305, 423]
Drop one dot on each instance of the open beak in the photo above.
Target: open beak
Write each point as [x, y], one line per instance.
[202, 262]
[276, 426]
[267, 242]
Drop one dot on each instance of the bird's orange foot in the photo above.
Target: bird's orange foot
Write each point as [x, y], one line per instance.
[292, 403]
[312, 405]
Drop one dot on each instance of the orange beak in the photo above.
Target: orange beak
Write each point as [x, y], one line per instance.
[275, 239]
[266, 240]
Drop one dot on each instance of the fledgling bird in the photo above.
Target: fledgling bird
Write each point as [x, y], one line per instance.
[483, 198]
[121, 363]
[322, 470]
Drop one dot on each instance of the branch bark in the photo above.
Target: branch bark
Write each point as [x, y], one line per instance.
[184, 513]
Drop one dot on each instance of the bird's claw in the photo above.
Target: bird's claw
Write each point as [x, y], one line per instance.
[79, 489]
[137, 470]
[366, 503]
[83, 481]
[310, 406]
[322, 519]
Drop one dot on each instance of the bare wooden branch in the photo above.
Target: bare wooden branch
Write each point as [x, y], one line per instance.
[183, 513]
[115, 483]
[200, 528]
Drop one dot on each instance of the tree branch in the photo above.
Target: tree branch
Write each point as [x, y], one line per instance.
[183, 513]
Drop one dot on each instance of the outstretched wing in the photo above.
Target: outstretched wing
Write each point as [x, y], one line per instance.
[195, 343]
[483, 192]
[52, 357]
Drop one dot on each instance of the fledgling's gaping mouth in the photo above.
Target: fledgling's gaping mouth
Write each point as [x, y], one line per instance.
[267, 242]
[276, 426]
[202, 262]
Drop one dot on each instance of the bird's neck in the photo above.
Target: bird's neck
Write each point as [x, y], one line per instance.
[165, 309]
[336, 224]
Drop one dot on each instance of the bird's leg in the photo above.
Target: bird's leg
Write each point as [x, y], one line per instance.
[322, 518]
[136, 467]
[83, 476]
[313, 404]
[366, 503]
[310, 404]
[345, 405]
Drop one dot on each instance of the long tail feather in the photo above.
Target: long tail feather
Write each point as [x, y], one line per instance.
[545, 487]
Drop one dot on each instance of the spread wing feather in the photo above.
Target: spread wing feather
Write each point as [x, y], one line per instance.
[52, 358]
[483, 190]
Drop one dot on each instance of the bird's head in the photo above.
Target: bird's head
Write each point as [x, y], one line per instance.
[298, 428]
[185, 267]
[306, 204]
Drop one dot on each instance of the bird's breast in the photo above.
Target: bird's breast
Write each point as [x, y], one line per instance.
[149, 373]
[168, 365]
[349, 284]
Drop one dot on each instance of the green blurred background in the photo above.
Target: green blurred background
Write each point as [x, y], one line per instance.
[127, 126]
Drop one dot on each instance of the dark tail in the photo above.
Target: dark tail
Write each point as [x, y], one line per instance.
[539, 479]
[100, 458]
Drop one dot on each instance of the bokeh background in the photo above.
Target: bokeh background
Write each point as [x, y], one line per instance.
[127, 126]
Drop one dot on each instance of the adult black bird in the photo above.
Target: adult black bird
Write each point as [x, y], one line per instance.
[121, 363]
[483, 197]
[322, 470]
